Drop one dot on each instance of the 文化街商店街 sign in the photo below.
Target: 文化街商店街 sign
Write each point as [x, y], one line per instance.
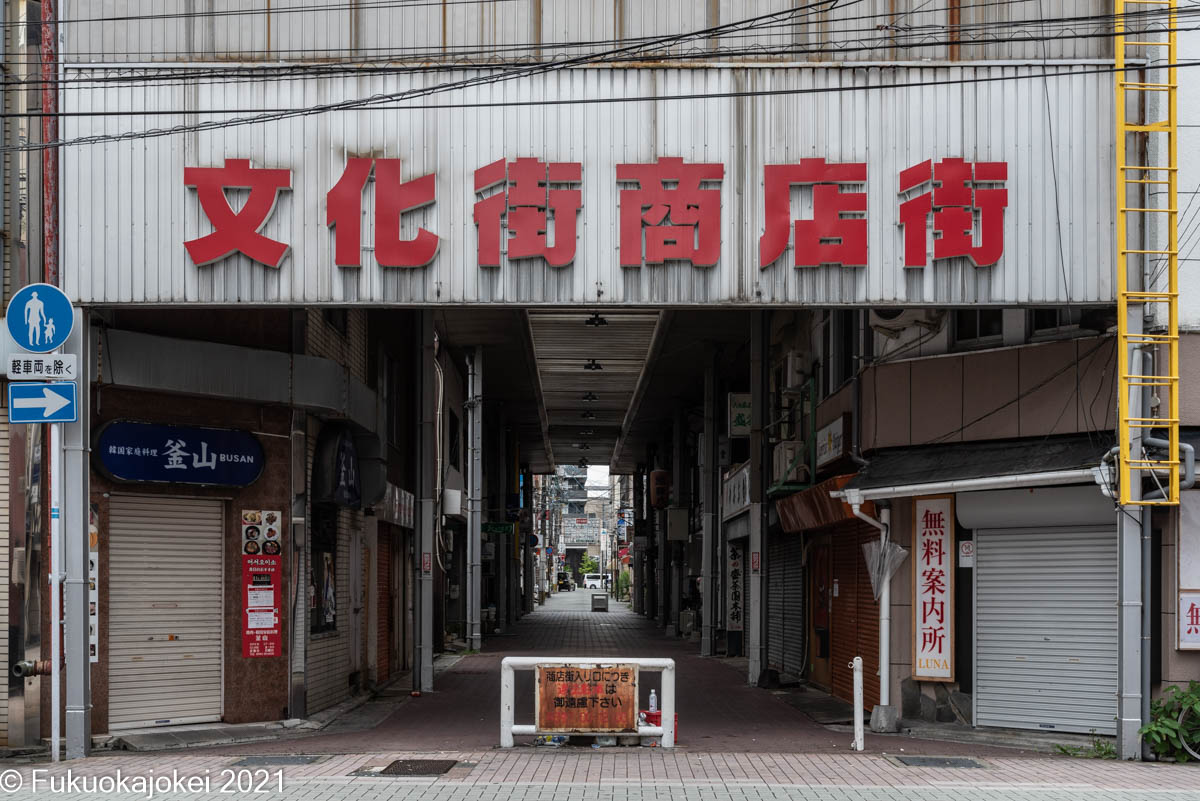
[719, 200]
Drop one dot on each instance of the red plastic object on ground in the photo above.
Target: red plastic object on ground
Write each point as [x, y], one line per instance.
[655, 719]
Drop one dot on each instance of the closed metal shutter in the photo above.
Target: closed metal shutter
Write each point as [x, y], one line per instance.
[165, 611]
[776, 570]
[786, 626]
[1046, 629]
[795, 624]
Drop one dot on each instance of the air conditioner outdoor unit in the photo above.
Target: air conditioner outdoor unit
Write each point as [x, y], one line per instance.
[794, 373]
[890, 322]
[789, 455]
[452, 503]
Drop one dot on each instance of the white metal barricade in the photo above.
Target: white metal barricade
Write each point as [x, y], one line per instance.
[511, 664]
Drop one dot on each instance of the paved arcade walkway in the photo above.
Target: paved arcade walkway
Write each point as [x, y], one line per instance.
[717, 710]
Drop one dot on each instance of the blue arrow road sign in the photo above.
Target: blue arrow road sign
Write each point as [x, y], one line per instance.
[39, 318]
[30, 402]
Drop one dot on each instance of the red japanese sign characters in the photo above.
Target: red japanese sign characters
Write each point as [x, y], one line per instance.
[830, 237]
[933, 588]
[393, 197]
[238, 231]
[954, 200]
[682, 222]
[527, 205]
[669, 211]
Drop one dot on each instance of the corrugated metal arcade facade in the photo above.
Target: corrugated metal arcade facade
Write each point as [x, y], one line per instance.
[834, 292]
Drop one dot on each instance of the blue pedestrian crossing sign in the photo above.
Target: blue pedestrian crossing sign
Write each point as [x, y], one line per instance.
[32, 402]
[39, 318]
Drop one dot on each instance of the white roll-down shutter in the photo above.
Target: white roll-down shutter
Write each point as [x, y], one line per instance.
[165, 611]
[1046, 628]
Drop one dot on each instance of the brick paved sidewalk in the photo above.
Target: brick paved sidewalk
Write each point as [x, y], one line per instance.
[717, 710]
[633, 775]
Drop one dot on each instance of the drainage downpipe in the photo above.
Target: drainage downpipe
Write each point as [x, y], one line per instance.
[885, 595]
[855, 423]
[1186, 482]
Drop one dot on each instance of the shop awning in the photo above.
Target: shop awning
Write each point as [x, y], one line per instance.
[815, 507]
[1035, 461]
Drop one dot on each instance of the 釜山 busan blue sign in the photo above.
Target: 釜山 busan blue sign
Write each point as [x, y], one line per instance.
[130, 451]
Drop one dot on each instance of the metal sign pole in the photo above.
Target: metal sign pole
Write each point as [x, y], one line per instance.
[76, 517]
[55, 585]
[40, 319]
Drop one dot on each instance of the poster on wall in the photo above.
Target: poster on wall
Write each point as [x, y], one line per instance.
[735, 612]
[94, 584]
[262, 582]
[933, 588]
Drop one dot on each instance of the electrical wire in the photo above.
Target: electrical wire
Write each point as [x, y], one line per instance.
[166, 74]
[373, 102]
[782, 21]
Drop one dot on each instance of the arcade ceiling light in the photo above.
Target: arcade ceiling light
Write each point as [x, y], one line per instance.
[592, 364]
[595, 320]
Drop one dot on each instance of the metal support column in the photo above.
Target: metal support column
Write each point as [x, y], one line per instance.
[708, 497]
[756, 646]
[475, 505]
[427, 465]
[76, 514]
[637, 556]
[1129, 561]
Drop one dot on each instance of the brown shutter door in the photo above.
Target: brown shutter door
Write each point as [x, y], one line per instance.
[868, 620]
[855, 622]
[844, 621]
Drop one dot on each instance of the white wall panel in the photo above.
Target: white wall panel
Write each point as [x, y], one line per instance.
[126, 212]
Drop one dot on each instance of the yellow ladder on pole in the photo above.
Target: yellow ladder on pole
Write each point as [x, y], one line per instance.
[1145, 191]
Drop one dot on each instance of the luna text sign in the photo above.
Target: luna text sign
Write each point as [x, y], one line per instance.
[133, 451]
[933, 588]
[39, 318]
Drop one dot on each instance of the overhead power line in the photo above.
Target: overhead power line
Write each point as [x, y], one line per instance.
[379, 101]
[786, 22]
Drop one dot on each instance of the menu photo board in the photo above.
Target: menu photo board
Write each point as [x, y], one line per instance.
[94, 584]
[262, 582]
